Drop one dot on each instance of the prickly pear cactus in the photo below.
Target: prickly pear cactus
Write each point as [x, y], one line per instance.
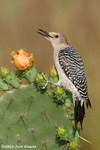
[34, 112]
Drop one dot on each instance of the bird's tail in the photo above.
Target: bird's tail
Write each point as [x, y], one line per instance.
[79, 113]
[88, 103]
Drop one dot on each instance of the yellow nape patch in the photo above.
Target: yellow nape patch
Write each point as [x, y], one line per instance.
[51, 33]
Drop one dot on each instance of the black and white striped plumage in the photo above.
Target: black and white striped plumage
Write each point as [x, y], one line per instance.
[72, 65]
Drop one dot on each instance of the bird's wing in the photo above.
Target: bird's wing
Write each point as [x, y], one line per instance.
[73, 67]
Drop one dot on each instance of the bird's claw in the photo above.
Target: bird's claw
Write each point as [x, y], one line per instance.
[46, 79]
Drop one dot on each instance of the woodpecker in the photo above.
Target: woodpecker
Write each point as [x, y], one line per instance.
[70, 68]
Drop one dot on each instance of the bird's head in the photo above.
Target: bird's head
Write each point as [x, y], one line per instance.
[57, 40]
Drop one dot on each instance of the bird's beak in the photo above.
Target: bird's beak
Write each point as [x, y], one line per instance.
[44, 33]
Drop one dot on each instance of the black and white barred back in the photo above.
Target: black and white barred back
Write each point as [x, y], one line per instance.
[72, 65]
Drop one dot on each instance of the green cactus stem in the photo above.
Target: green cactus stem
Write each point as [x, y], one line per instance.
[34, 114]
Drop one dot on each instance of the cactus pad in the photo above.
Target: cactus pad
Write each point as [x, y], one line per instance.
[35, 113]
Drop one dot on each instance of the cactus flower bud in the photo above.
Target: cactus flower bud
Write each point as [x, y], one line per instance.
[58, 91]
[22, 59]
[39, 78]
[73, 145]
[9, 77]
[53, 72]
[4, 71]
[60, 132]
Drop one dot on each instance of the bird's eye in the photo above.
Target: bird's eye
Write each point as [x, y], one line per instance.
[56, 36]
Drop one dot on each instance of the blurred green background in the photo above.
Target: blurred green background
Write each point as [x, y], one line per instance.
[79, 20]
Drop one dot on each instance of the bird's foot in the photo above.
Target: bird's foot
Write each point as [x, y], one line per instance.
[48, 81]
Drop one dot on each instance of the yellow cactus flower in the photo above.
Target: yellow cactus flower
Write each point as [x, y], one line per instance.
[22, 59]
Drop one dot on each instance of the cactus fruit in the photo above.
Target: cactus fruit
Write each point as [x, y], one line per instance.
[36, 113]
